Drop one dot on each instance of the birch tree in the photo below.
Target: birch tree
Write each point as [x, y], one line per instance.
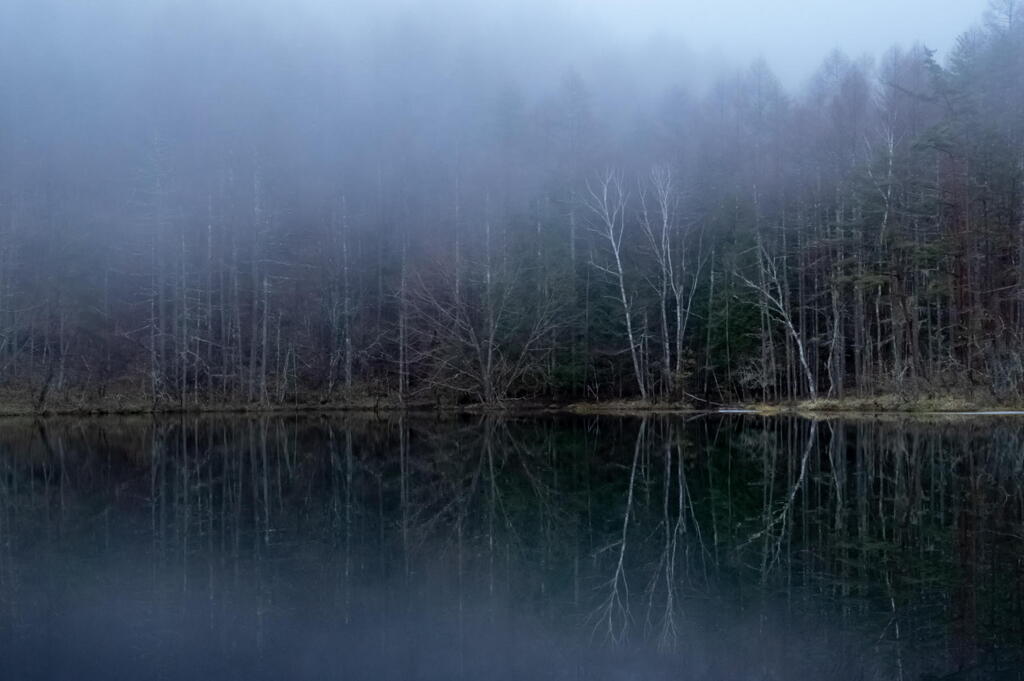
[607, 201]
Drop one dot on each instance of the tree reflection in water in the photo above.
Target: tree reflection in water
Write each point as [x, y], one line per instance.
[557, 547]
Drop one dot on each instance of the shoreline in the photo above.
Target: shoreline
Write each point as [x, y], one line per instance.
[890, 405]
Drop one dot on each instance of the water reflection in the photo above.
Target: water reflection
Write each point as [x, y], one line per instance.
[698, 547]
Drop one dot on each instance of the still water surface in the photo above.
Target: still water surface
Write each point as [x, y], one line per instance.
[547, 547]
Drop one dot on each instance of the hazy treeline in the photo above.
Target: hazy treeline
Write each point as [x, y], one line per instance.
[201, 205]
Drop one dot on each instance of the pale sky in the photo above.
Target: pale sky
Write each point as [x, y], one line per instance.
[792, 35]
[544, 37]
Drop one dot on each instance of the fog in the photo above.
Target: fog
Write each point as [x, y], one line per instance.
[214, 202]
[792, 35]
[502, 210]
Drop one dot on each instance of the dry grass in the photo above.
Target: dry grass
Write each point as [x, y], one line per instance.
[899, 403]
[627, 407]
[24, 402]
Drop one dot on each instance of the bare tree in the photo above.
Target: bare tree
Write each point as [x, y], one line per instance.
[659, 217]
[483, 350]
[607, 200]
[773, 292]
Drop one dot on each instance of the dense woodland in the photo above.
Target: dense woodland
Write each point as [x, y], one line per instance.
[241, 215]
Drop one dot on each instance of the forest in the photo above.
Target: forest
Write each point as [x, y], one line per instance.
[214, 212]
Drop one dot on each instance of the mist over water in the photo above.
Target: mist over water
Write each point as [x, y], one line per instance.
[353, 220]
[707, 547]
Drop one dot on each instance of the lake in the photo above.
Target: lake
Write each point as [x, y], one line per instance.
[406, 547]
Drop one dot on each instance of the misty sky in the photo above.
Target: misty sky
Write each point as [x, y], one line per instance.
[793, 35]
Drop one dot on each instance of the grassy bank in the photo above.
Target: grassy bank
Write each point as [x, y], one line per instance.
[21, 402]
[892, 403]
[24, 403]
